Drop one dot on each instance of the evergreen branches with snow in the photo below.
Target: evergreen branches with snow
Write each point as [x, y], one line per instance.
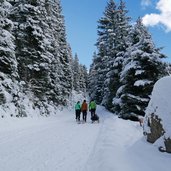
[127, 63]
[36, 60]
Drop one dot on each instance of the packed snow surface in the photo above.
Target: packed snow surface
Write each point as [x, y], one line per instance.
[58, 143]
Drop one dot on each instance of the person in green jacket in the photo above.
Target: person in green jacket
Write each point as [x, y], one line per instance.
[92, 107]
[78, 111]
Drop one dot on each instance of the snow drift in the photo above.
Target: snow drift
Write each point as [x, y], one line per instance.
[157, 125]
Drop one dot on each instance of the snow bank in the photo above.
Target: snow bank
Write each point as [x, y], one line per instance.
[29, 106]
[160, 107]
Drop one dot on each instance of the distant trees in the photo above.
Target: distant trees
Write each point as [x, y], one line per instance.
[127, 63]
[96, 79]
[35, 55]
[80, 75]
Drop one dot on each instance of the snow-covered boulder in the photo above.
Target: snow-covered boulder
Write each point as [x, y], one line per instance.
[157, 123]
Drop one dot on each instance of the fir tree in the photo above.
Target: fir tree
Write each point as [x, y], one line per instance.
[105, 45]
[35, 53]
[113, 30]
[57, 23]
[42, 49]
[76, 73]
[83, 78]
[142, 68]
[30, 50]
[95, 79]
[121, 43]
[9, 86]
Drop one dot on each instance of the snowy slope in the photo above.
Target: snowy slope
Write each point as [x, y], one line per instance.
[58, 143]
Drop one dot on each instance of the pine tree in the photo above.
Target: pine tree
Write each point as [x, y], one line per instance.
[9, 86]
[83, 78]
[57, 23]
[70, 58]
[85, 74]
[121, 43]
[142, 68]
[42, 49]
[105, 43]
[113, 30]
[35, 53]
[95, 79]
[76, 73]
[30, 50]
[8, 60]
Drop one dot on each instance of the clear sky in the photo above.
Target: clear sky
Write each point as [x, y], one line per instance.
[81, 18]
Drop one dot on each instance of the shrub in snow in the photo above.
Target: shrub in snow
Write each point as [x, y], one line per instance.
[157, 124]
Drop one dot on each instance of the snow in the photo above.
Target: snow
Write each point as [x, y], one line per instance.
[58, 143]
[142, 82]
[139, 72]
[160, 103]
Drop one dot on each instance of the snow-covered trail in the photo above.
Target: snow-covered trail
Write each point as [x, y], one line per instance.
[121, 146]
[60, 144]
[111, 147]
[48, 144]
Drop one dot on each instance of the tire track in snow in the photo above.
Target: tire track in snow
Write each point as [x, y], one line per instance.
[111, 146]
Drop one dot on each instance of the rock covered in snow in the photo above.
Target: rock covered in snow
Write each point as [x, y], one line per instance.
[157, 124]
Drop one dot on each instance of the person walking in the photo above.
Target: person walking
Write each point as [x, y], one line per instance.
[77, 111]
[84, 108]
[92, 108]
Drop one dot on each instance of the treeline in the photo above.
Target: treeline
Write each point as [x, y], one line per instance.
[37, 69]
[126, 65]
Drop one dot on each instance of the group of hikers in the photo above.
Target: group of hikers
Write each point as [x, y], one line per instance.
[84, 107]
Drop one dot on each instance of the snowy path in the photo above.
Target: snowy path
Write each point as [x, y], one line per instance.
[48, 145]
[121, 147]
[59, 144]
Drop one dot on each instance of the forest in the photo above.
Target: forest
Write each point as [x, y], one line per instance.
[39, 71]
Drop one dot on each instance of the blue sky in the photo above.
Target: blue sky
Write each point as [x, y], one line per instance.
[81, 18]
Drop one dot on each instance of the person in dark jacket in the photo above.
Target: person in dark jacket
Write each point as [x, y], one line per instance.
[84, 108]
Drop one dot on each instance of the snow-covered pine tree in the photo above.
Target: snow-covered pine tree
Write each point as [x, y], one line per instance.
[59, 32]
[92, 78]
[113, 30]
[120, 32]
[80, 75]
[38, 44]
[142, 67]
[76, 73]
[31, 46]
[85, 74]
[70, 58]
[9, 86]
[104, 43]
[83, 78]
[42, 50]
[96, 78]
